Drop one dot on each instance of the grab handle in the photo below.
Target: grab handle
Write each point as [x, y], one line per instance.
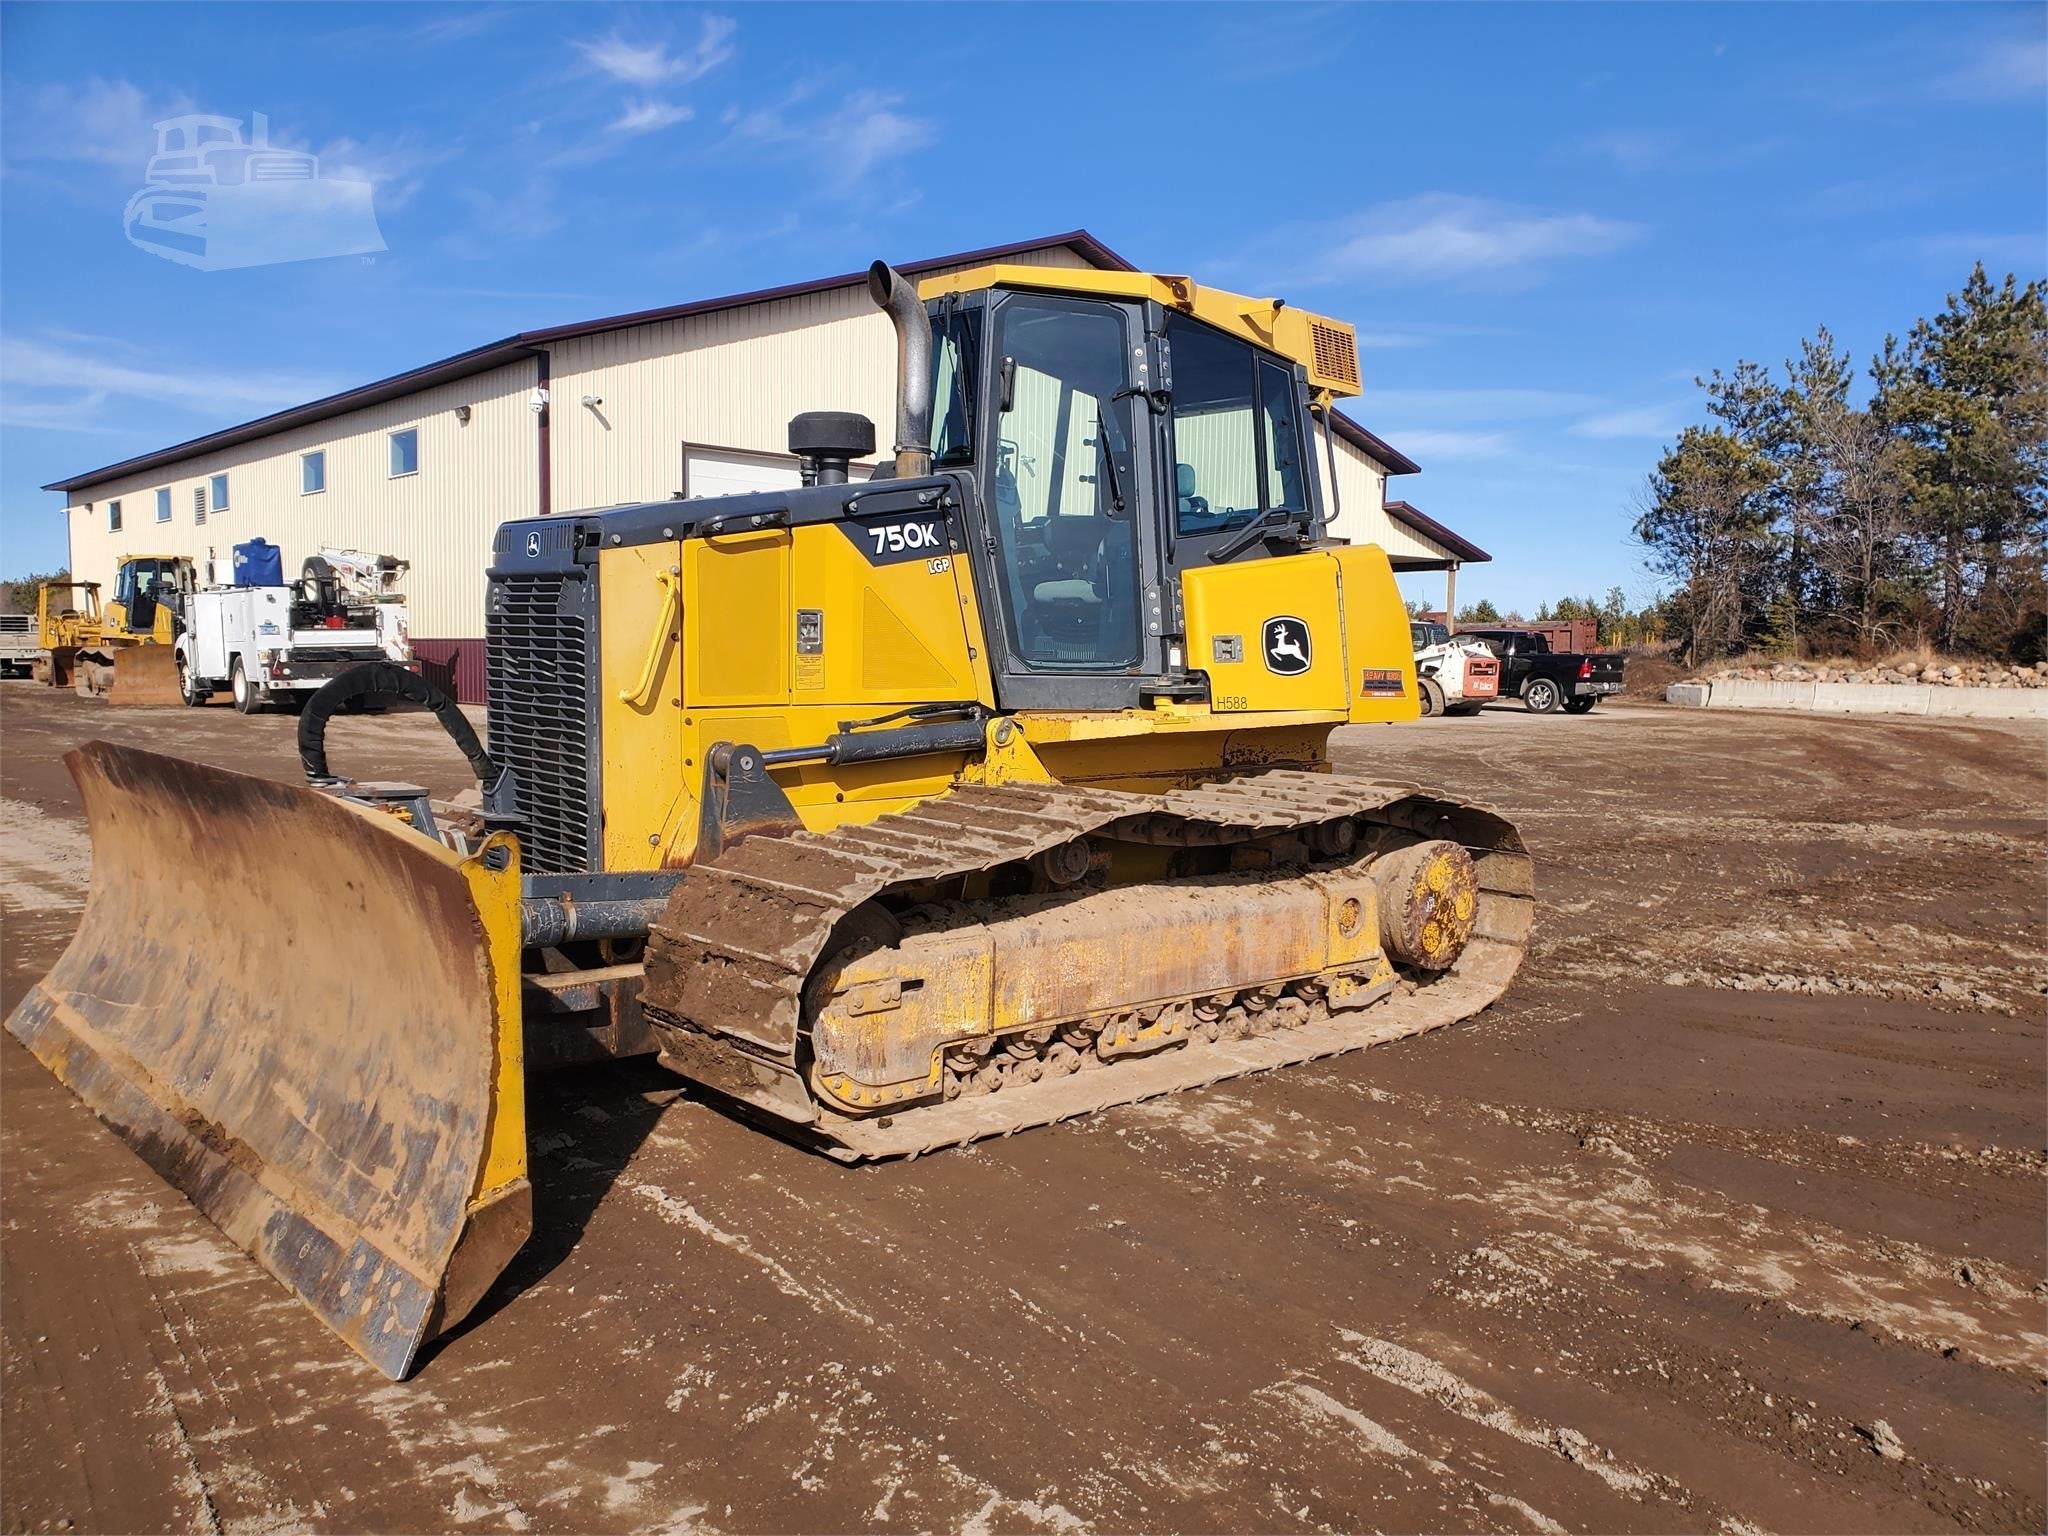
[641, 693]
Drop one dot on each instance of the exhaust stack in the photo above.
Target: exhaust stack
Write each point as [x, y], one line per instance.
[895, 294]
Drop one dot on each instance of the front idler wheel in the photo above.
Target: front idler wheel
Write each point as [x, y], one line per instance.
[1429, 900]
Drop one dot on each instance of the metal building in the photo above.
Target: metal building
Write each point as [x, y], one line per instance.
[692, 399]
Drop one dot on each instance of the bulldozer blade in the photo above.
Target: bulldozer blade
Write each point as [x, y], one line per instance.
[305, 1016]
[145, 674]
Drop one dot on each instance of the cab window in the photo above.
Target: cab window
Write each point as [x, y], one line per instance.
[956, 370]
[1236, 430]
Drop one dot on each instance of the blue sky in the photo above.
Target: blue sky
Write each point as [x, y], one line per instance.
[1544, 220]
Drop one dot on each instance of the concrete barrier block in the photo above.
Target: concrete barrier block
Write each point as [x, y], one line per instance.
[1737, 694]
[1989, 703]
[1872, 698]
[1691, 695]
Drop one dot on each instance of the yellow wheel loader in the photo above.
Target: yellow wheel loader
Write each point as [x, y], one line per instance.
[124, 650]
[987, 792]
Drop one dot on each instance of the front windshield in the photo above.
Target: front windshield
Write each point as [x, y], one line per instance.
[1062, 455]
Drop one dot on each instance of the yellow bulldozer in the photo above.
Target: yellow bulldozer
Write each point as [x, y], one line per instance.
[893, 813]
[122, 650]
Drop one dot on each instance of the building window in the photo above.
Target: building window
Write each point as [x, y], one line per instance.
[113, 517]
[198, 503]
[220, 493]
[405, 452]
[312, 472]
[163, 504]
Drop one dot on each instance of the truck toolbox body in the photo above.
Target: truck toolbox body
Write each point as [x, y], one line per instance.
[277, 644]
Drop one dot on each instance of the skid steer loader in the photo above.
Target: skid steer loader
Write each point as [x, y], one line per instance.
[988, 792]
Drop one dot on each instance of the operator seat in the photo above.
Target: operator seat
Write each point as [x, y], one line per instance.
[1190, 505]
[1072, 543]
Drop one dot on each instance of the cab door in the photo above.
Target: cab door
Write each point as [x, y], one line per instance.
[1070, 553]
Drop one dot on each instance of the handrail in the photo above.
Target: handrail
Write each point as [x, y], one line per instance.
[642, 693]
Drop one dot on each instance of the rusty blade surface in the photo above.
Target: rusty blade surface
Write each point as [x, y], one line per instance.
[145, 674]
[283, 1004]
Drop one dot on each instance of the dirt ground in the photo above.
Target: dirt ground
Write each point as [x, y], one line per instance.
[1729, 1217]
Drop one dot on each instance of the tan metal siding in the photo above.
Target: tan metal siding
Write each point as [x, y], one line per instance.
[1362, 518]
[730, 379]
[470, 479]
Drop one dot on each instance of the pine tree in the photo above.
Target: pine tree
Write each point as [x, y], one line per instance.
[1967, 394]
[1704, 522]
[1816, 387]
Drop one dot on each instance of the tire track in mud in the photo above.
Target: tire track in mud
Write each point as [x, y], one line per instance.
[44, 860]
[1152, 1319]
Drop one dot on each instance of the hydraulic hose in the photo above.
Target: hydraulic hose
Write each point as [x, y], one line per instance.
[388, 679]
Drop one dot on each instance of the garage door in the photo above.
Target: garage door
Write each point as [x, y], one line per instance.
[722, 472]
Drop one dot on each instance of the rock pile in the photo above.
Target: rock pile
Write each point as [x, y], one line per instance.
[1962, 674]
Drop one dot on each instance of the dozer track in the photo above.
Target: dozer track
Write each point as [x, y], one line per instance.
[774, 974]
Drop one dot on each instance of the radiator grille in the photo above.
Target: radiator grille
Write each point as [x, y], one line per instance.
[537, 677]
[1336, 353]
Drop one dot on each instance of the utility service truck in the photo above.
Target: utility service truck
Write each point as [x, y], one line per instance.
[265, 642]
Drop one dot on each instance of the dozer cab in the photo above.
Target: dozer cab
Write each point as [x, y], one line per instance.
[121, 649]
[988, 792]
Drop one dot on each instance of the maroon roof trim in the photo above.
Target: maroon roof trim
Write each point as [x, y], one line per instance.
[1431, 529]
[498, 353]
[1380, 451]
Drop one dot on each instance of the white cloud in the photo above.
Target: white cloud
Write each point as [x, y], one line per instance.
[649, 117]
[396, 168]
[112, 123]
[1432, 443]
[874, 131]
[1437, 237]
[2003, 64]
[648, 64]
[1629, 150]
[2023, 254]
[1480, 405]
[1445, 234]
[102, 122]
[48, 382]
[1662, 422]
[865, 131]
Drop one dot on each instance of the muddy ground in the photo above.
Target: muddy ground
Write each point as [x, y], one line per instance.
[1749, 1160]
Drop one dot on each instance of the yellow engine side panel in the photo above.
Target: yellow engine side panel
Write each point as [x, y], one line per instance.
[1380, 656]
[1269, 633]
[736, 619]
[867, 631]
[640, 694]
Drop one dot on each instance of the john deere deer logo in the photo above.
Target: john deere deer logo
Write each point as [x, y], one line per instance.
[1287, 646]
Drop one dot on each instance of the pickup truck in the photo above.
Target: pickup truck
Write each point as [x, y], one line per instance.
[20, 644]
[1548, 680]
